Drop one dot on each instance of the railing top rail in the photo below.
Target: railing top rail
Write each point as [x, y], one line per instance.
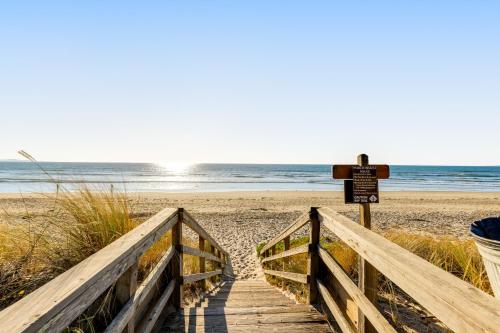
[460, 306]
[191, 222]
[74, 290]
[296, 225]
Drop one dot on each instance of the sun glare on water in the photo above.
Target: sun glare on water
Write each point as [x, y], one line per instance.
[175, 167]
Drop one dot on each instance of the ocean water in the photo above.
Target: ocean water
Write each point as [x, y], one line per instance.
[28, 177]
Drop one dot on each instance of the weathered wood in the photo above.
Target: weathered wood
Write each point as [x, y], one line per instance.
[149, 322]
[243, 296]
[213, 267]
[313, 259]
[200, 276]
[344, 171]
[249, 311]
[343, 323]
[201, 259]
[299, 223]
[365, 305]
[191, 223]
[244, 286]
[253, 291]
[126, 286]
[273, 253]
[344, 301]
[256, 328]
[219, 263]
[125, 315]
[217, 311]
[288, 253]
[367, 274]
[179, 320]
[198, 253]
[456, 303]
[297, 277]
[245, 303]
[286, 243]
[286, 261]
[56, 304]
[177, 264]
[246, 289]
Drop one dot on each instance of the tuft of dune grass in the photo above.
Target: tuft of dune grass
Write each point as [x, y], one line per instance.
[86, 222]
[459, 257]
[23, 268]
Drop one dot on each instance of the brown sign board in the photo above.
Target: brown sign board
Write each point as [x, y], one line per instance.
[344, 171]
[363, 187]
[365, 184]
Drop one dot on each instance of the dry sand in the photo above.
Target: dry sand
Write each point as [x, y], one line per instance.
[240, 220]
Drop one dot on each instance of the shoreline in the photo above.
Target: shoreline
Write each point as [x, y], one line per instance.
[222, 192]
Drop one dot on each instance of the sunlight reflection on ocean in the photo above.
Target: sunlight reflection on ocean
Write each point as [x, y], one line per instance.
[27, 177]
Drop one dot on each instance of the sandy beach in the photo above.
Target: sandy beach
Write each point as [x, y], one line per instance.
[240, 220]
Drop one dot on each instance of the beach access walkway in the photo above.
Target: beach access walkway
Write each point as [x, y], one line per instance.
[334, 299]
[246, 306]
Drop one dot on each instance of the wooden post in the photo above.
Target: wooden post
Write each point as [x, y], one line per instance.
[219, 264]
[201, 247]
[368, 275]
[286, 261]
[213, 265]
[313, 258]
[126, 285]
[177, 264]
[273, 252]
[263, 255]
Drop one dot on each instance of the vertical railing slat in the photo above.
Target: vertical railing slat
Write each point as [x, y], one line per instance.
[286, 261]
[201, 260]
[177, 265]
[213, 264]
[313, 258]
[273, 252]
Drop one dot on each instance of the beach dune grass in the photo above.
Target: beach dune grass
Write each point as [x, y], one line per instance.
[86, 222]
[82, 222]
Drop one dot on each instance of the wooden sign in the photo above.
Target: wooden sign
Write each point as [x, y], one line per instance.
[344, 171]
[365, 184]
[361, 181]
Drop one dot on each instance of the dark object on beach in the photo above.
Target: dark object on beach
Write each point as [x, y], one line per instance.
[488, 228]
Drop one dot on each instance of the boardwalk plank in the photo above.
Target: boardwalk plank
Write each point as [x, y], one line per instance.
[247, 306]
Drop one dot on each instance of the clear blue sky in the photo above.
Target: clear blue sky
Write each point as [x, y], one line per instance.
[408, 82]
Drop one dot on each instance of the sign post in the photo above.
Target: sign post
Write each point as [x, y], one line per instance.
[361, 187]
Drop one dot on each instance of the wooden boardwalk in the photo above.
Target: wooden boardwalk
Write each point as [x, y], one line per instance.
[246, 306]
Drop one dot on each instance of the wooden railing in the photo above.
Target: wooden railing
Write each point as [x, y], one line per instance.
[58, 303]
[457, 304]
